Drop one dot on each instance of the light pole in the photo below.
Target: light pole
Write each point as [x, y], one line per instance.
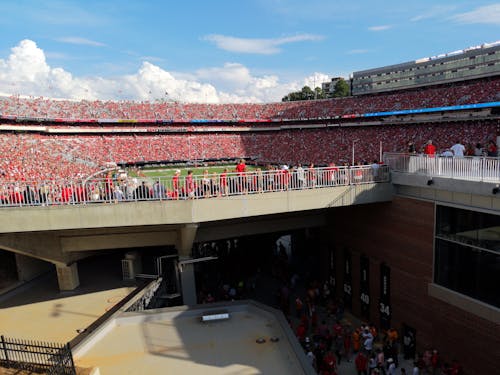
[353, 142]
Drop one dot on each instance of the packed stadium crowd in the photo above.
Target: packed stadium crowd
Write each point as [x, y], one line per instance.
[38, 157]
[448, 95]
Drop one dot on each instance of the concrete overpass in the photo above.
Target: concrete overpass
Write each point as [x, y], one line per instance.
[65, 234]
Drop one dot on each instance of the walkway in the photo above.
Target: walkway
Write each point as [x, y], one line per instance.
[41, 312]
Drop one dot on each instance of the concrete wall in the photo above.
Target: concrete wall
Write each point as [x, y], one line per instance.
[29, 268]
[400, 234]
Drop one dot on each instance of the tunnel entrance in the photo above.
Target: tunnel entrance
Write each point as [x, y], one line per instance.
[8, 269]
[260, 267]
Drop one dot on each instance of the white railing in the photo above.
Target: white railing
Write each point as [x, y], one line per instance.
[116, 190]
[473, 168]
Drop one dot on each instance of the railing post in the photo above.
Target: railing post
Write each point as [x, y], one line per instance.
[481, 167]
[70, 355]
[4, 348]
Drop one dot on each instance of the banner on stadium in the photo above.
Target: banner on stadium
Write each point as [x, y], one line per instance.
[434, 109]
[364, 285]
[385, 296]
[347, 279]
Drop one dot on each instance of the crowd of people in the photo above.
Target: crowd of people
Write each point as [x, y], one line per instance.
[467, 92]
[329, 339]
[36, 157]
[334, 341]
[118, 186]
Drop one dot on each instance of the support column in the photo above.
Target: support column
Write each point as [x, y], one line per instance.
[184, 246]
[188, 283]
[67, 276]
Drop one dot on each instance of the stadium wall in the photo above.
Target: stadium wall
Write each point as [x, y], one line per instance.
[400, 234]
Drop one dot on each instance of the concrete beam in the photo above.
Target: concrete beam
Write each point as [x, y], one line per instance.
[210, 232]
[117, 240]
[45, 246]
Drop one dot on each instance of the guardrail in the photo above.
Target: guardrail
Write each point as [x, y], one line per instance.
[36, 356]
[108, 190]
[473, 168]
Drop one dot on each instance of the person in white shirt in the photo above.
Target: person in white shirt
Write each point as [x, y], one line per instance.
[447, 153]
[458, 149]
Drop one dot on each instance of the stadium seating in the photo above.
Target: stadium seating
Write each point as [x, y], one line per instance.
[33, 156]
[460, 93]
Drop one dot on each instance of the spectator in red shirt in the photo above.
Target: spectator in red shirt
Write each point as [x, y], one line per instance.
[241, 167]
[175, 184]
[361, 362]
[492, 149]
[430, 149]
[66, 194]
[240, 170]
[189, 184]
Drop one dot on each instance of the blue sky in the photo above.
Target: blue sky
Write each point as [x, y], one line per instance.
[221, 50]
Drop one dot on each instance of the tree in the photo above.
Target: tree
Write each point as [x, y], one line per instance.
[305, 94]
[341, 89]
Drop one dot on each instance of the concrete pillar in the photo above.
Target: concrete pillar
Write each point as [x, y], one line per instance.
[185, 239]
[184, 246]
[67, 276]
[188, 283]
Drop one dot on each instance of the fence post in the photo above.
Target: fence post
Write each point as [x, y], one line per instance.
[4, 346]
[70, 355]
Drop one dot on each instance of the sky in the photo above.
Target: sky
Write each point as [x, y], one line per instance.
[221, 51]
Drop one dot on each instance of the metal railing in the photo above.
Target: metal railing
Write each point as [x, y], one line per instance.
[108, 190]
[147, 295]
[473, 168]
[35, 356]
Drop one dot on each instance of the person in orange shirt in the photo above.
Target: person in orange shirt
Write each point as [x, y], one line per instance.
[356, 340]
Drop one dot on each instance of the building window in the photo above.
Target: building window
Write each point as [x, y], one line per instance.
[467, 253]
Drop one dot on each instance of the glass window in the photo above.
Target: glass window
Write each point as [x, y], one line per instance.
[469, 227]
[469, 271]
[467, 253]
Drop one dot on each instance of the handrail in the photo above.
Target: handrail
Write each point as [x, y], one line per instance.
[215, 185]
[472, 168]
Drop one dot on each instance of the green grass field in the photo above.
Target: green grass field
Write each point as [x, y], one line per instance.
[169, 171]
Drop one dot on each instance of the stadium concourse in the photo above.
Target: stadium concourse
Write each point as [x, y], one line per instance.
[41, 137]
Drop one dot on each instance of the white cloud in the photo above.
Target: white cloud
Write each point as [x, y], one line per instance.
[80, 41]
[26, 72]
[433, 12]
[57, 55]
[379, 27]
[258, 46]
[315, 80]
[489, 14]
[357, 51]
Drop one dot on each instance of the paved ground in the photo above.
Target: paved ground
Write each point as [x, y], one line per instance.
[41, 312]
[153, 343]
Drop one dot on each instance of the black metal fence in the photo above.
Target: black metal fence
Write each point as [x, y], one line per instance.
[35, 356]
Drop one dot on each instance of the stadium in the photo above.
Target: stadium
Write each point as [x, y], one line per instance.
[426, 244]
